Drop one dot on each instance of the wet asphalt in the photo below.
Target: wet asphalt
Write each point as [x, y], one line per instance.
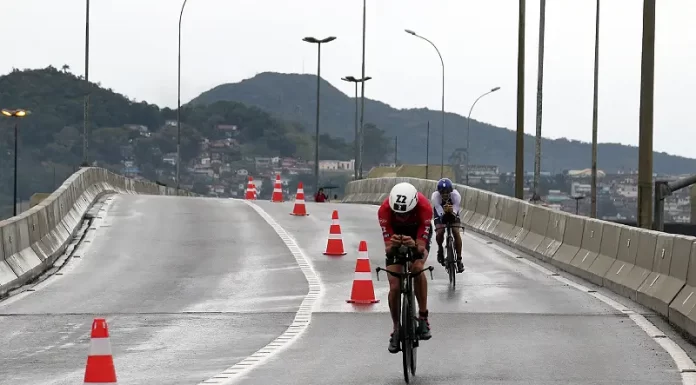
[187, 286]
[191, 286]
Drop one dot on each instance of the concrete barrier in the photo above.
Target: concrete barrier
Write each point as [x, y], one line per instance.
[33, 240]
[657, 270]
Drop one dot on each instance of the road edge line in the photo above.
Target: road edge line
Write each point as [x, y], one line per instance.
[685, 364]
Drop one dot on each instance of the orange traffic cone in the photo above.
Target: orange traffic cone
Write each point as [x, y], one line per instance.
[363, 291]
[299, 209]
[251, 190]
[277, 190]
[100, 363]
[334, 245]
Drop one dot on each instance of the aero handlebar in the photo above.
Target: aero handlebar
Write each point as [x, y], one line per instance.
[404, 275]
[403, 251]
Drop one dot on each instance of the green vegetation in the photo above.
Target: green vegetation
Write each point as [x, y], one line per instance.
[122, 129]
[293, 96]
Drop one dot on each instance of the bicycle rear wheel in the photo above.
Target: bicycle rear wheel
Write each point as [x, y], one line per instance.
[405, 333]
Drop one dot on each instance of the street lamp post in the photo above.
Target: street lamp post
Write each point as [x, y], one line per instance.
[318, 42]
[593, 198]
[85, 124]
[442, 162]
[358, 134]
[362, 94]
[15, 114]
[540, 85]
[468, 123]
[178, 102]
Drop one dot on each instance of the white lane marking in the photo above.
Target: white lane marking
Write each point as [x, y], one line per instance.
[684, 363]
[302, 318]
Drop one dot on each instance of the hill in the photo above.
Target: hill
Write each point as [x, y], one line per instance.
[125, 134]
[293, 96]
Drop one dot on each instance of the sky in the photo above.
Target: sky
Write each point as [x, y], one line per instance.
[133, 49]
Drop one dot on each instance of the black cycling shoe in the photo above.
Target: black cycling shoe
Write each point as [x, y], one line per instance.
[441, 257]
[460, 266]
[424, 327]
[393, 344]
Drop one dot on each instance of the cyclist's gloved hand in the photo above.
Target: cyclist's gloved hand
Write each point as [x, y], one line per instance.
[448, 208]
[395, 240]
[408, 241]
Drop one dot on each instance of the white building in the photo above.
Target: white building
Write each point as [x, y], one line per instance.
[337, 165]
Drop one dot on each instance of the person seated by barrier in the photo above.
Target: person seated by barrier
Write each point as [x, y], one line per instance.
[320, 196]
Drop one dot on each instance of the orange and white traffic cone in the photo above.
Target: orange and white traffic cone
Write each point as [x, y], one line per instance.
[363, 290]
[100, 363]
[299, 209]
[251, 190]
[277, 190]
[334, 245]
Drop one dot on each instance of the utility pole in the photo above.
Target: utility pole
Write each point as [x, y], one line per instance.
[540, 85]
[519, 142]
[645, 144]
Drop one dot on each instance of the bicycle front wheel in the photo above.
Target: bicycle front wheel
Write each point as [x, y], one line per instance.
[451, 265]
[406, 342]
[414, 331]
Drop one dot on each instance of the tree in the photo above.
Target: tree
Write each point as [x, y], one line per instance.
[376, 147]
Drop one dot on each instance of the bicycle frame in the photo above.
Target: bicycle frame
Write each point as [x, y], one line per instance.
[407, 330]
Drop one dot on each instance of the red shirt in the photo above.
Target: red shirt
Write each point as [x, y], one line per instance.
[415, 224]
[320, 197]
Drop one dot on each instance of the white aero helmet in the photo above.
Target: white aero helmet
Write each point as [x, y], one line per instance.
[403, 198]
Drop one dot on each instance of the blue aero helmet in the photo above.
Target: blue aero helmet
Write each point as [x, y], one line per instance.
[444, 185]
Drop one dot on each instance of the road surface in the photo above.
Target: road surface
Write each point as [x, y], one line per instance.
[192, 286]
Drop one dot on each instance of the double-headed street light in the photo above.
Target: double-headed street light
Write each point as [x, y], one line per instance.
[468, 123]
[358, 135]
[15, 114]
[318, 42]
[442, 164]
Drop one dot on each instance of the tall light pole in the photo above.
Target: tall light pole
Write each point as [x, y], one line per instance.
[593, 188]
[468, 123]
[519, 141]
[85, 124]
[645, 141]
[362, 93]
[17, 114]
[178, 102]
[318, 42]
[540, 85]
[358, 137]
[442, 163]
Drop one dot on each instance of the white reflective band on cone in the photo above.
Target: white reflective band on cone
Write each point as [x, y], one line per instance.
[363, 255]
[100, 347]
[334, 236]
[334, 222]
[360, 276]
